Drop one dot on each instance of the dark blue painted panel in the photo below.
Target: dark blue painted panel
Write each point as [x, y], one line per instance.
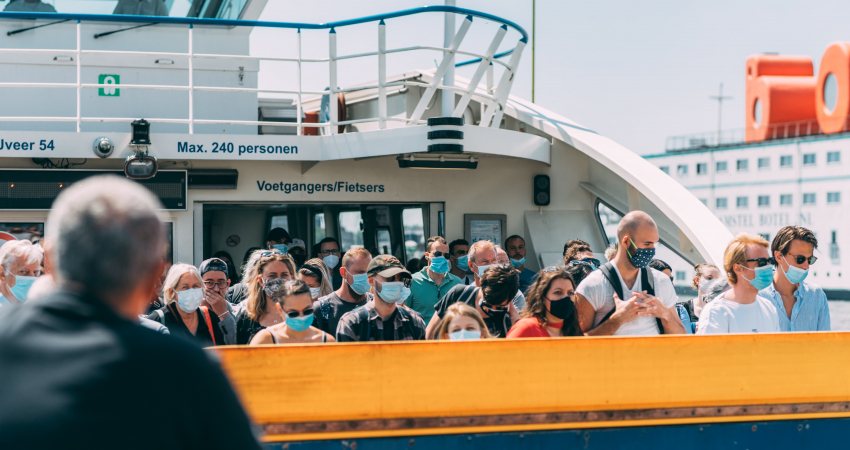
[793, 434]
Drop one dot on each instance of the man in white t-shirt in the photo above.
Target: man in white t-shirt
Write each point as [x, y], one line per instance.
[749, 269]
[602, 312]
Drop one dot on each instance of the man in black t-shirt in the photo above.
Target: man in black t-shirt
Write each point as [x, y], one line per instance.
[354, 291]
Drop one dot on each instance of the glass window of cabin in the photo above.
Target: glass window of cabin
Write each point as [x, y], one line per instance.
[785, 199]
[350, 229]
[280, 221]
[720, 203]
[665, 169]
[809, 159]
[833, 157]
[319, 232]
[682, 169]
[742, 202]
[721, 166]
[29, 231]
[742, 165]
[786, 161]
[833, 198]
[764, 163]
[413, 225]
[809, 198]
[702, 168]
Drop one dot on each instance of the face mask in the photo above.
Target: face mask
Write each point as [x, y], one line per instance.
[562, 308]
[495, 314]
[190, 299]
[439, 264]
[482, 269]
[301, 323]
[331, 261]
[314, 292]
[763, 277]
[518, 262]
[641, 256]
[394, 292]
[22, 286]
[283, 248]
[360, 284]
[463, 263]
[465, 335]
[795, 274]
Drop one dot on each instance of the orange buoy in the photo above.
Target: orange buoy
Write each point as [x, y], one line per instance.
[833, 88]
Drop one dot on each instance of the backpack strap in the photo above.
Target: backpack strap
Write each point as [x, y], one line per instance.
[610, 274]
[206, 314]
[160, 315]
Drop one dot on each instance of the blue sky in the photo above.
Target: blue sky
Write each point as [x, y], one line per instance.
[635, 71]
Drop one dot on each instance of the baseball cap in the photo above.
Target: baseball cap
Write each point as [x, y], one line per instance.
[296, 242]
[386, 266]
[213, 265]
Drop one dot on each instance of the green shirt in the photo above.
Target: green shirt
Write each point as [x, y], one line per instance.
[424, 292]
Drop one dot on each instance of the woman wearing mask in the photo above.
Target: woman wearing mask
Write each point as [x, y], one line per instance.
[20, 265]
[707, 279]
[462, 322]
[258, 311]
[549, 310]
[315, 274]
[293, 301]
[183, 292]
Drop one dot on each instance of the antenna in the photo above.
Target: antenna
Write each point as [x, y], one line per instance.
[720, 98]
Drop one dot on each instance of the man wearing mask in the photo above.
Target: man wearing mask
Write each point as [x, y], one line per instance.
[801, 306]
[749, 268]
[298, 252]
[646, 302]
[459, 260]
[515, 248]
[353, 292]
[279, 239]
[214, 274]
[329, 251]
[434, 280]
[383, 319]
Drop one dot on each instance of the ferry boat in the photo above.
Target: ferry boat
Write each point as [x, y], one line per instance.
[329, 142]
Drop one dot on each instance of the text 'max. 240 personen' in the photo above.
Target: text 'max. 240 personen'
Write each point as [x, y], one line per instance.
[312, 188]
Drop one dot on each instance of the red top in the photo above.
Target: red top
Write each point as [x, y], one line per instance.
[528, 328]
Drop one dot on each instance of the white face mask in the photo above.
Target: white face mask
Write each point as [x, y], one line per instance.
[190, 299]
[314, 292]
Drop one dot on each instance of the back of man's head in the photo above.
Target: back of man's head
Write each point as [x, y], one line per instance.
[105, 237]
[500, 284]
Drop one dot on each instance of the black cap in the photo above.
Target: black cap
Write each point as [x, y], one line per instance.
[213, 265]
[278, 235]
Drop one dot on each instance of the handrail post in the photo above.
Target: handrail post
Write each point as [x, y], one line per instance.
[479, 71]
[332, 101]
[494, 112]
[191, 79]
[299, 109]
[447, 97]
[382, 74]
[79, 74]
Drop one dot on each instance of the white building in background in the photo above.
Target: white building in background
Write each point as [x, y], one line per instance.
[760, 187]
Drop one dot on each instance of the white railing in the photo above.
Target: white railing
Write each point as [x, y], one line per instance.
[491, 97]
[785, 130]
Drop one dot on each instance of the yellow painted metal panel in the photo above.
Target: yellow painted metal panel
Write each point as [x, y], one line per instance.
[306, 383]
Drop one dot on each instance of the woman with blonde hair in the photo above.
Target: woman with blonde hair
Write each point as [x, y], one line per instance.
[316, 275]
[462, 322]
[549, 308]
[183, 292]
[258, 311]
[293, 301]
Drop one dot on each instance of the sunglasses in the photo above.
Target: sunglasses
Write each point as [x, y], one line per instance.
[800, 259]
[437, 254]
[294, 314]
[270, 252]
[761, 262]
[488, 308]
[593, 262]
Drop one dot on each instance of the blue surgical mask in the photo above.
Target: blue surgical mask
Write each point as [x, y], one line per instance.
[641, 256]
[465, 335]
[795, 274]
[394, 292]
[482, 269]
[763, 276]
[463, 263]
[299, 324]
[439, 264]
[331, 261]
[22, 287]
[360, 284]
[518, 262]
[283, 248]
[190, 299]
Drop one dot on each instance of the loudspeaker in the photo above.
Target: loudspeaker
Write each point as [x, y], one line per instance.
[541, 190]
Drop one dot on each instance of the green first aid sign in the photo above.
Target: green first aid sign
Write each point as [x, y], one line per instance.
[109, 85]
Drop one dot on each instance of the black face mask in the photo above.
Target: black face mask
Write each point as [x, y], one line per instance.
[562, 308]
[493, 312]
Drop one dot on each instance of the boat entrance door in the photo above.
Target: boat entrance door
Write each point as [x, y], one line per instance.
[399, 229]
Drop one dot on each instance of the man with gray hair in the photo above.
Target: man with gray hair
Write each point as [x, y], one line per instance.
[75, 360]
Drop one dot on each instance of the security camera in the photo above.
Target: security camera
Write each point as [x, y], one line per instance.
[103, 147]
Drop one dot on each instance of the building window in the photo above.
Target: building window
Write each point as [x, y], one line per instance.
[785, 199]
[809, 199]
[720, 203]
[833, 157]
[742, 202]
[766, 236]
[785, 161]
[764, 163]
[702, 168]
[742, 165]
[833, 198]
[834, 252]
[809, 159]
[681, 275]
[721, 166]
[764, 201]
[704, 201]
[665, 169]
[682, 169]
